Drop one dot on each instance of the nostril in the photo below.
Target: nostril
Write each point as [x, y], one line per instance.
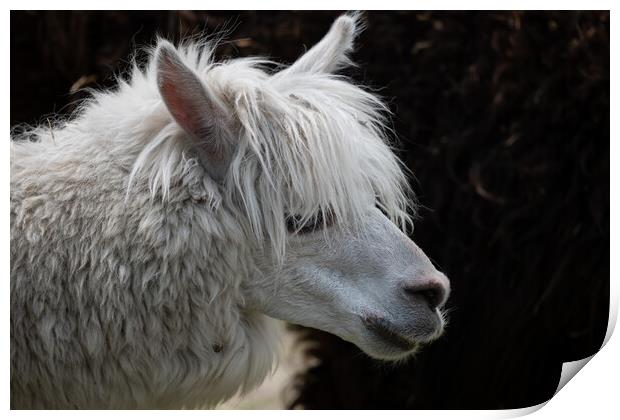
[431, 296]
[433, 293]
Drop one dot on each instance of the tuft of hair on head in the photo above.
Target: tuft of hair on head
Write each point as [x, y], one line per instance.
[300, 141]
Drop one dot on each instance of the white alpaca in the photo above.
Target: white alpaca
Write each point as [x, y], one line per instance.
[153, 233]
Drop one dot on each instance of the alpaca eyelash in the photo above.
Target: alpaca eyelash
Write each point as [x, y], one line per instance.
[294, 223]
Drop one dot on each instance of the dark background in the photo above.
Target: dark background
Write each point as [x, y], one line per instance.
[504, 119]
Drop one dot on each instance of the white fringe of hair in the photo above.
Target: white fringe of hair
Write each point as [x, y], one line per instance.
[307, 141]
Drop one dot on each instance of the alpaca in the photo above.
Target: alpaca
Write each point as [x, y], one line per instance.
[155, 235]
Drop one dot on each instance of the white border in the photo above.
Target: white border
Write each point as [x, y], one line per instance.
[312, 5]
[594, 391]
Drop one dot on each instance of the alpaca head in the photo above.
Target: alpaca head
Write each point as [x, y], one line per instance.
[300, 158]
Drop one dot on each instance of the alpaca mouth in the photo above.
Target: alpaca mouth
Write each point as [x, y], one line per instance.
[388, 334]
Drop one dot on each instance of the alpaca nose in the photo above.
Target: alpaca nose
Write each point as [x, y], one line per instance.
[434, 290]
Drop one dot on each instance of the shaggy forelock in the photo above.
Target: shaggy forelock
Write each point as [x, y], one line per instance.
[306, 143]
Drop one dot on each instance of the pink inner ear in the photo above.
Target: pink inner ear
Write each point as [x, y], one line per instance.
[195, 109]
[180, 106]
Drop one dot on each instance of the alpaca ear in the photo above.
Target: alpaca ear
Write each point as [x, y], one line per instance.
[197, 109]
[331, 53]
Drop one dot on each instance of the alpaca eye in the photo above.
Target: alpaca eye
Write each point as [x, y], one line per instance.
[295, 224]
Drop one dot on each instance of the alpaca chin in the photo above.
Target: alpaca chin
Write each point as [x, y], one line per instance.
[387, 342]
